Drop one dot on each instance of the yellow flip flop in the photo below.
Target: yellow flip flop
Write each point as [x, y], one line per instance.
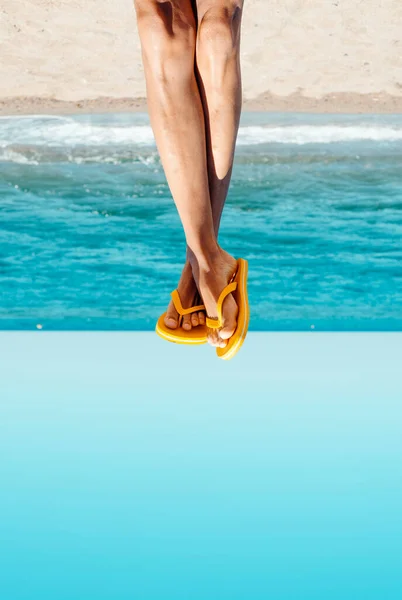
[196, 335]
[237, 287]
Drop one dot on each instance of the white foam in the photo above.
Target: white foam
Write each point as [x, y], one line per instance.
[38, 132]
[73, 133]
[317, 134]
[9, 155]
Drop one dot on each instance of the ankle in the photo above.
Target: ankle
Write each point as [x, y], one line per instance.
[204, 258]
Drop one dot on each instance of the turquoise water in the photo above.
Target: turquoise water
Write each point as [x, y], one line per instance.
[279, 478]
[90, 239]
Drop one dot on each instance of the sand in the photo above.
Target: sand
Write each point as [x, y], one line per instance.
[84, 55]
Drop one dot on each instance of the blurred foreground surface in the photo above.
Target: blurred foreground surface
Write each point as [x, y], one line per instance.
[131, 468]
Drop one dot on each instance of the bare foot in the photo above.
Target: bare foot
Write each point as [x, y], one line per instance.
[212, 279]
[189, 296]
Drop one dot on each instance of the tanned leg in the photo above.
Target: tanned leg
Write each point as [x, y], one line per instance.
[168, 36]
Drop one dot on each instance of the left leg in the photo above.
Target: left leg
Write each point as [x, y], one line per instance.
[167, 31]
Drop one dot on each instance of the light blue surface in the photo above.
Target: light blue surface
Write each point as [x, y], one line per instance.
[90, 238]
[135, 469]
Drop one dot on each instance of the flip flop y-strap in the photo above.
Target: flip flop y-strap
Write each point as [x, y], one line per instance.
[217, 323]
[179, 307]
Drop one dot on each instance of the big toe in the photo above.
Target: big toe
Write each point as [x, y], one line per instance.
[230, 319]
[171, 318]
[171, 322]
[227, 331]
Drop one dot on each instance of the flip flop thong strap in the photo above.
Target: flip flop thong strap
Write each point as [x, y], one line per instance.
[179, 307]
[217, 323]
[213, 323]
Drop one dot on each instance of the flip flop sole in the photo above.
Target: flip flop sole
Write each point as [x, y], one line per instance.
[243, 318]
[196, 335]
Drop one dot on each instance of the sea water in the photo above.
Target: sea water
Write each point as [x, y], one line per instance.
[90, 237]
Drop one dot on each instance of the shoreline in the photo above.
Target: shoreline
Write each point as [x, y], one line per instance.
[341, 103]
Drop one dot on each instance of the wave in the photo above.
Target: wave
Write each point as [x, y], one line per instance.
[68, 132]
[35, 139]
[318, 134]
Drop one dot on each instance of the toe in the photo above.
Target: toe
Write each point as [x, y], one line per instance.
[226, 332]
[230, 318]
[171, 317]
[194, 319]
[186, 322]
[213, 337]
[201, 318]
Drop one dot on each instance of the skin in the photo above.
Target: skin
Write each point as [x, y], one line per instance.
[190, 52]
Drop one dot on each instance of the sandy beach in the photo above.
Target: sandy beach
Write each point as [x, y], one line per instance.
[61, 56]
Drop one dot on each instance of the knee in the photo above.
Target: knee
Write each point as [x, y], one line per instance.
[167, 37]
[218, 34]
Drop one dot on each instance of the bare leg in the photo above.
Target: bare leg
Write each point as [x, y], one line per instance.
[219, 80]
[168, 36]
[219, 77]
[167, 32]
